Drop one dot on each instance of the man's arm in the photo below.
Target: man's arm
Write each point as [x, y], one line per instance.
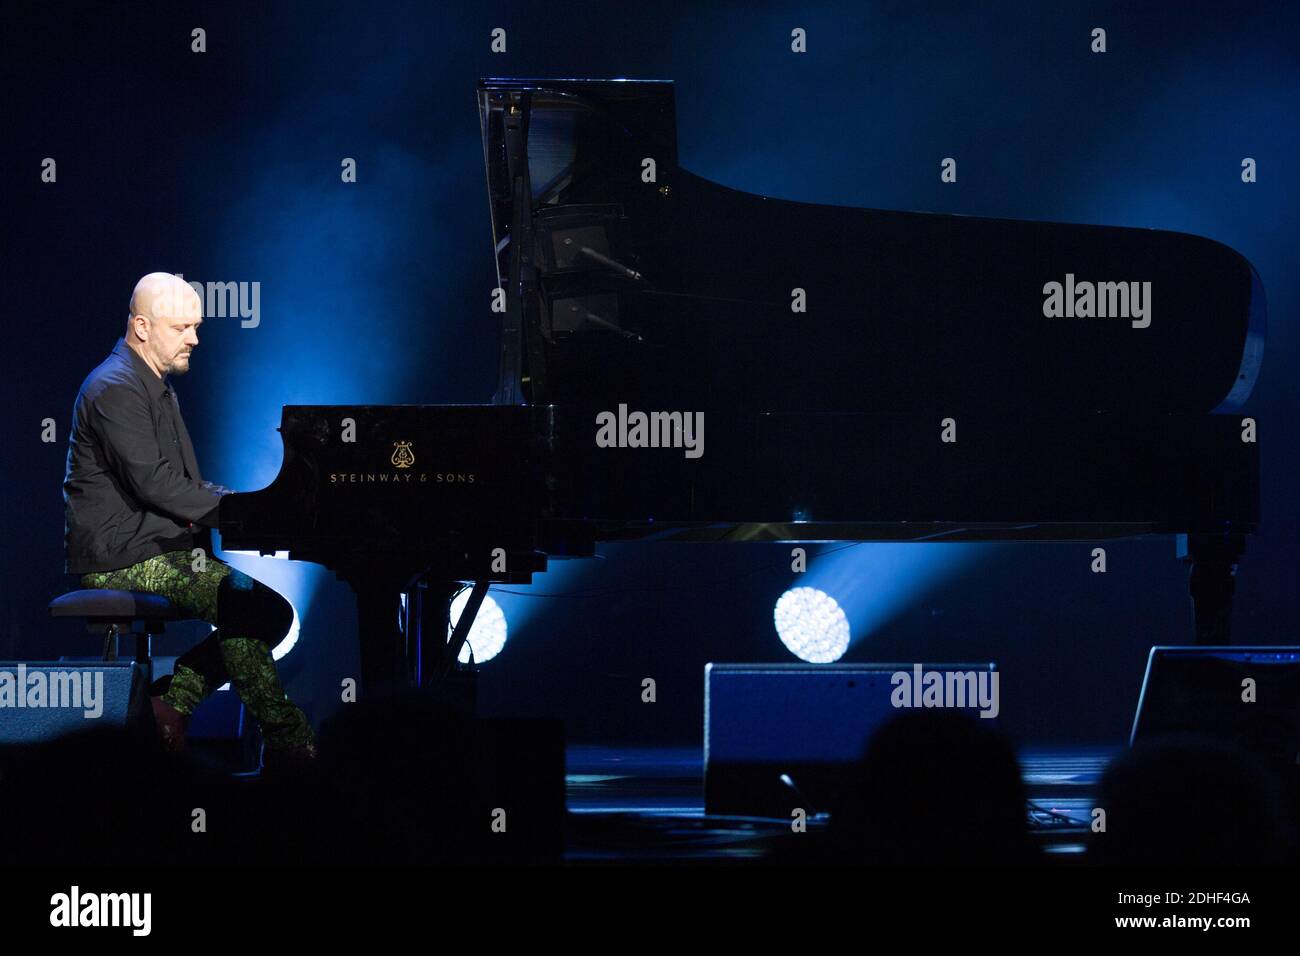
[120, 417]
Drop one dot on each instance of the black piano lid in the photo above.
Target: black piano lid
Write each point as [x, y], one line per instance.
[932, 296]
[644, 109]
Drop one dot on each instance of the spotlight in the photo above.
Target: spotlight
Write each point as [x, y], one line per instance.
[289, 640]
[487, 635]
[811, 625]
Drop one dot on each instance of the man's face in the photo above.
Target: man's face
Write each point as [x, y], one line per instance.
[174, 332]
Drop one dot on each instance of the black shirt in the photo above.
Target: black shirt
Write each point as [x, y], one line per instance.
[132, 488]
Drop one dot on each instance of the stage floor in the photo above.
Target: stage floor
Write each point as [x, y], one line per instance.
[646, 805]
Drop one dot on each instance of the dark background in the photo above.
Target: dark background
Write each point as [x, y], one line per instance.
[225, 166]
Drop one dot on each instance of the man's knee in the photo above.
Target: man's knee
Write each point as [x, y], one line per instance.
[248, 608]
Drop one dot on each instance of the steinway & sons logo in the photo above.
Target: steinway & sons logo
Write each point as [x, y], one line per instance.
[402, 459]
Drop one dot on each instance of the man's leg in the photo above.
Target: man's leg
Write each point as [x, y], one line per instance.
[199, 671]
[253, 618]
[250, 617]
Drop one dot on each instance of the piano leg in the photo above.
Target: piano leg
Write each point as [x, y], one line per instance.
[431, 656]
[430, 629]
[460, 634]
[383, 646]
[437, 652]
[1213, 559]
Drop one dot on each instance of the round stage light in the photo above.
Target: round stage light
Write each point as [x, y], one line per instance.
[289, 640]
[811, 625]
[487, 635]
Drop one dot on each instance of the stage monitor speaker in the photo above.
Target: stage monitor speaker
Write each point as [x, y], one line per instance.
[784, 736]
[1249, 696]
[42, 700]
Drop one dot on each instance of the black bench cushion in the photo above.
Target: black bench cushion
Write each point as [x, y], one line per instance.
[106, 604]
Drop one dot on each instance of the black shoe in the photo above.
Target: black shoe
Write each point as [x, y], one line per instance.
[160, 686]
[289, 761]
[171, 724]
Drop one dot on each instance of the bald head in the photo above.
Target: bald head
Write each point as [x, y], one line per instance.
[162, 326]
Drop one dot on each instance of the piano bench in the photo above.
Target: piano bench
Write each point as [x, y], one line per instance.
[111, 613]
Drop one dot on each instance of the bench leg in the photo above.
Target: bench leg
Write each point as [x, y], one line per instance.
[110, 642]
[144, 655]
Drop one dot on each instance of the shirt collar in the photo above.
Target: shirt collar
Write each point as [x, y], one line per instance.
[154, 385]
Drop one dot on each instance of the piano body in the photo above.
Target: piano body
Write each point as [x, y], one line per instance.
[682, 361]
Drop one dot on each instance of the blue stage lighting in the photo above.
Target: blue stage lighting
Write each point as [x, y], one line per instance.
[487, 635]
[811, 625]
[875, 583]
[270, 574]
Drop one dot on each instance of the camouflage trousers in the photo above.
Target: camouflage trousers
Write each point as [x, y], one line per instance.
[250, 619]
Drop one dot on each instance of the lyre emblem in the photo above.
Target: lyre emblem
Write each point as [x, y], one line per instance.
[403, 457]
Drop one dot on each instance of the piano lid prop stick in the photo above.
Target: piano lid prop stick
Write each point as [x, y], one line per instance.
[609, 263]
[593, 318]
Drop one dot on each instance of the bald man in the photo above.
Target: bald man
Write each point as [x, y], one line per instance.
[138, 515]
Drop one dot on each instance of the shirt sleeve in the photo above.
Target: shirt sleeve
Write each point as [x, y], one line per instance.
[120, 417]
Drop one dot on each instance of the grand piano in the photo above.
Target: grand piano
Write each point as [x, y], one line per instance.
[681, 361]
